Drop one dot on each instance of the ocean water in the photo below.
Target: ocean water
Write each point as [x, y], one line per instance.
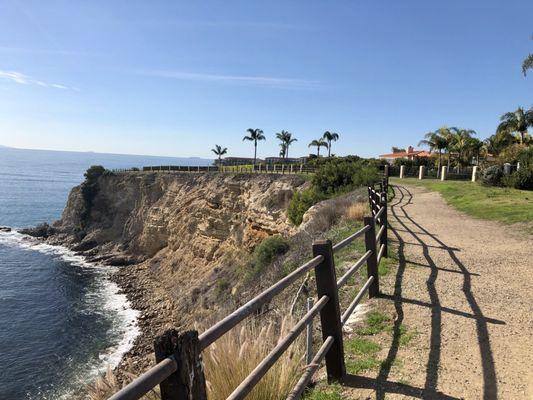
[62, 321]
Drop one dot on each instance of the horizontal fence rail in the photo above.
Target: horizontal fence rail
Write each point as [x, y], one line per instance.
[179, 370]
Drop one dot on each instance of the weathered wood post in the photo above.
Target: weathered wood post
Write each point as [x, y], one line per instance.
[309, 335]
[372, 261]
[443, 172]
[330, 315]
[292, 168]
[386, 171]
[301, 167]
[282, 168]
[421, 172]
[188, 382]
[402, 171]
[384, 236]
[274, 168]
[474, 173]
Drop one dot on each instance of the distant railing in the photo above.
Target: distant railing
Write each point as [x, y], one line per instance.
[253, 169]
[179, 371]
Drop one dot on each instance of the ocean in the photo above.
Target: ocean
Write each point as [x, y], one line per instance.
[62, 321]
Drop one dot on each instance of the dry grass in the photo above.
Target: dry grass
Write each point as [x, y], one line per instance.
[229, 360]
[357, 211]
[105, 386]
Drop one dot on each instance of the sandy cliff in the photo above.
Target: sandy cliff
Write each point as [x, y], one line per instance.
[177, 237]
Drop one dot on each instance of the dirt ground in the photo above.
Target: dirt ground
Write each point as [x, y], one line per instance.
[466, 286]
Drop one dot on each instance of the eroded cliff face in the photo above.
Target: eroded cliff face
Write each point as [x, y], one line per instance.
[177, 237]
[140, 214]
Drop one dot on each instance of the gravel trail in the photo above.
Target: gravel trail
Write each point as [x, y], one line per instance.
[466, 286]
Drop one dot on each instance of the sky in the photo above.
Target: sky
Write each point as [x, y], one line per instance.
[174, 78]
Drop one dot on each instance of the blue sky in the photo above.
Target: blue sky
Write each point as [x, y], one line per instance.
[174, 78]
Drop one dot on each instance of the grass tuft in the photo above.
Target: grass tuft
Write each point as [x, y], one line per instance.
[376, 322]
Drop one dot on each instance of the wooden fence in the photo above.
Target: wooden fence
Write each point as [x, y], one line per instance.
[179, 371]
[254, 169]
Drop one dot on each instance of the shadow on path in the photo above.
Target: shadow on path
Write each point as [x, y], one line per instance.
[401, 220]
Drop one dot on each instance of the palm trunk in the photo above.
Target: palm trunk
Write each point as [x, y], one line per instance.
[255, 151]
[317, 151]
[440, 163]
[287, 152]
[329, 149]
[522, 135]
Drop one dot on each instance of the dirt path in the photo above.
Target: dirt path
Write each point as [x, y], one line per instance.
[466, 286]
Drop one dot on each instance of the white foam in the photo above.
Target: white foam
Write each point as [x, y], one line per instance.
[107, 295]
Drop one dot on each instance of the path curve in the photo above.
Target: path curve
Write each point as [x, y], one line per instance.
[466, 286]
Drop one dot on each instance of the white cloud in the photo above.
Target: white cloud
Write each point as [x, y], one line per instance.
[22, 79]
[267, 81]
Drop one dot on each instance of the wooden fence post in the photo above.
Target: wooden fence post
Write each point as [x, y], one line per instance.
[386, 171]
[384, 238]
[371, 262]
[188, 382]
[330, 315]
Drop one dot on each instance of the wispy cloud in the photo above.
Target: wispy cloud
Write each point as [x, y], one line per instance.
[265, 81]
[22, 79]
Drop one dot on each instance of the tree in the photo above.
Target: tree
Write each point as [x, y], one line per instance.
[254, 135]
[330, 137]
[286, 140]
[283, 149]
[318, 143]
[517, 121]
[435, 142]
[527, 64]
[461, 142]
[219, 151]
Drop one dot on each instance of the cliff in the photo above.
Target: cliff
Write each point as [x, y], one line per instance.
[177, 237]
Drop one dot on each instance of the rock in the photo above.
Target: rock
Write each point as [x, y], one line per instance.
[5, 229]
[40, 231]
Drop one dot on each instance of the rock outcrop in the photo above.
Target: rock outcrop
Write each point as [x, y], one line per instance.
[177, 237]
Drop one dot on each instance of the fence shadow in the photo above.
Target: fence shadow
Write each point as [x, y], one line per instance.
[401, 222]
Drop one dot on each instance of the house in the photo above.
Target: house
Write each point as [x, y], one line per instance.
[238, 161]
[410, 154]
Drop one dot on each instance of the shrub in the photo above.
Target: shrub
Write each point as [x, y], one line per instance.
[301, 202]
[492, 176]
[523, 178]
[268, 249]
[88, 189]
[337, 176]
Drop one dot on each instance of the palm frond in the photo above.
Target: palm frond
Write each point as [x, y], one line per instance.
[527, 64]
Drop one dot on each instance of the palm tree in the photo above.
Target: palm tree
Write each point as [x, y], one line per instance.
[219, 151]
[516, 121]
[461, 141]
[283, 150]
[318, 143]
[330, 137]
[435, 142]
[527, 64]
[254, 136]
[286, 139]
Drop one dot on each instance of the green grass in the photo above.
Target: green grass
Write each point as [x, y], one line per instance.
[376, 322]
[500, 204]
[361, 346]
[330, 392]
[355, 367]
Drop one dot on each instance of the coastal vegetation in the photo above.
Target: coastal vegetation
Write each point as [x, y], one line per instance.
[219, 151]
[254, 135]
[330, 137]
[318, 143]
[89, 188]
[286, 140]
[333, 177]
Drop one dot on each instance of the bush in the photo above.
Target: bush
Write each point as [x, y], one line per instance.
[341, 175]
[301, 202]
[492, 176]
[88, 189]
[268, 249]
[523, 178]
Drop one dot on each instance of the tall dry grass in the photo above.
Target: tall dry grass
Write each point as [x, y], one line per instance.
[229, 360]
[356, 211]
